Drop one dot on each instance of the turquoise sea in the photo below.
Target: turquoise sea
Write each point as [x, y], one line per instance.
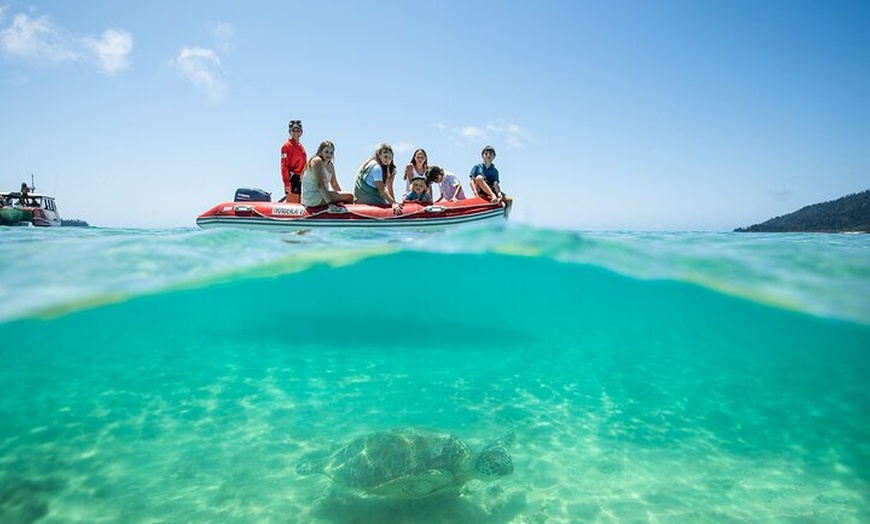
[179, 375]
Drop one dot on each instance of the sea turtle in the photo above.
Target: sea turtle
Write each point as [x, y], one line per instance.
[410, 463]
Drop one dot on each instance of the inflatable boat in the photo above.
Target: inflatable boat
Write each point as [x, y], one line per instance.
[249, 210]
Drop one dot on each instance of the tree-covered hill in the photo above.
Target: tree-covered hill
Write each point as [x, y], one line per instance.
[848, 213]
[73, 222]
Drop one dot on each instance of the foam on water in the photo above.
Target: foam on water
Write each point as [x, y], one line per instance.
[635, 394]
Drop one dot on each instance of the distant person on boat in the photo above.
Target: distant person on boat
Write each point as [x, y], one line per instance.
[374, 180]
[416, 167]
[320, 177]
[293, 162]
[451, 188]
[484, 180]
[24, 198]
[419, 191]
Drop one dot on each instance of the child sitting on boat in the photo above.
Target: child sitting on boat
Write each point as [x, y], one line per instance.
[419, 191]
[485, 183]
[451, 188]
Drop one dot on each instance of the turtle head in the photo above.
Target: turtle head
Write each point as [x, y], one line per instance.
[304, 468]
[495, 460]
[308, 467]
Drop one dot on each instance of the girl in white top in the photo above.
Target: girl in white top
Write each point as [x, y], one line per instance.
[320, 176]
[416, 167]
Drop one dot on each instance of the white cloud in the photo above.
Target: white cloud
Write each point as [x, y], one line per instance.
[202, 68]
[112, 50]
[510, 134]
[223, 33]
[402, 147]
[39, 41]
[223, 30]
[36, 39]
[471, 132]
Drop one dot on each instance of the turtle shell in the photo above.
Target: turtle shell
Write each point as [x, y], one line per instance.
[402, 461]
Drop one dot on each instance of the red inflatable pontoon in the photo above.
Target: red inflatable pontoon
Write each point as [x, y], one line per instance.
[279, 215]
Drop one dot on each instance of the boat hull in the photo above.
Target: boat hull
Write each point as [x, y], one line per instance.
[15, 216]
[282, 216]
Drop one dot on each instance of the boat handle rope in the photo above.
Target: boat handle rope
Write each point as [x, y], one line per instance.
[427, 209]
[321, 212]
[423, 210]
[363, 215]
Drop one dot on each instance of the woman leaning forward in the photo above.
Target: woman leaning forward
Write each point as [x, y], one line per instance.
[374, 180]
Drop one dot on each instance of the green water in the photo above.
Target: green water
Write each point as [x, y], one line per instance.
[632, 400]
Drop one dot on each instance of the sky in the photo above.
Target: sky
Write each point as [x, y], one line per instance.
[605, 115]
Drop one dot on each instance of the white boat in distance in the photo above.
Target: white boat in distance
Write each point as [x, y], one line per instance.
[32, 209]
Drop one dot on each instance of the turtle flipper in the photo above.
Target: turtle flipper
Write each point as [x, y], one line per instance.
[495, 460]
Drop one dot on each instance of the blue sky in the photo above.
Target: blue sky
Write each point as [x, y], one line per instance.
[672, 115]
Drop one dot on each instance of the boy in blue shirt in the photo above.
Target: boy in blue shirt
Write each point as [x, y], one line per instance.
[484, 180]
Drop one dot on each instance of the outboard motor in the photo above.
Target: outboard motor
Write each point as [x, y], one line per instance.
[244, 194]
